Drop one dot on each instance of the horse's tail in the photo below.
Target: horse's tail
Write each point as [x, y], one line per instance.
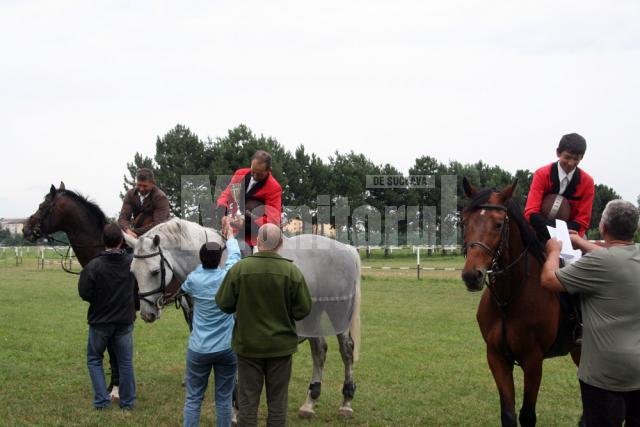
[354, 328]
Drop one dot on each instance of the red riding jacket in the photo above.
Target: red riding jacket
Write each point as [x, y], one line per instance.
[579, 194]
[267, 191]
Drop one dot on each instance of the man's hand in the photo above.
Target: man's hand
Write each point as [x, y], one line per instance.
[576, 240]
[237, 221]
[581, 243]
[553, 246]
[224, 223]
[228, 232]
[131, 233]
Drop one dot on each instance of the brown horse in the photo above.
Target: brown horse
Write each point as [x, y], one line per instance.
[521, 322]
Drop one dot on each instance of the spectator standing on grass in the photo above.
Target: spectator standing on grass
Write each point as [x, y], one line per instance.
[210, 340]
[108, 285]
[608, 282]
[268, 293]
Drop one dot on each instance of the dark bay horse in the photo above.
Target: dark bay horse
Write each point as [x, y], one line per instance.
[80, 219]
[520, 321]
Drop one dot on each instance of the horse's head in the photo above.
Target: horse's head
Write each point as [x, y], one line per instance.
[485, 222]
[43, 221]
[152, 268]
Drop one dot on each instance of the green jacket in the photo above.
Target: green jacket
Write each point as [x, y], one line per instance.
[268, 293]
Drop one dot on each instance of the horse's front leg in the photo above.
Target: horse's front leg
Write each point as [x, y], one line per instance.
[319, 355]
[502, 371]
[532, 368]
[349, 387]
[114, 384]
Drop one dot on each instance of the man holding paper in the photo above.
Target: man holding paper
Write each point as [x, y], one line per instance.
[608, 281]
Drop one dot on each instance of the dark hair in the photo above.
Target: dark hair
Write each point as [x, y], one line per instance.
[262, 157]
[111, 235]
[573, 143]
[210, 254]
[144, 174]
[620, 219]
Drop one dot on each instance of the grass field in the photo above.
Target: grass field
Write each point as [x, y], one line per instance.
[422, 359]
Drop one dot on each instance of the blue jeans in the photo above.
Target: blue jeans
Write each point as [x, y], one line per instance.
[199, 365]
[120, 337]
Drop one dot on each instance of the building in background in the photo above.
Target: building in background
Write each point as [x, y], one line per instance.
[12, 225]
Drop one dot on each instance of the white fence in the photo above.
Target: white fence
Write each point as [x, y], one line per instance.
[45, 256]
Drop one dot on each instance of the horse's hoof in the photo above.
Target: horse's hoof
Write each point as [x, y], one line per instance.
[306, 413]
[346, 412]
[114, 393]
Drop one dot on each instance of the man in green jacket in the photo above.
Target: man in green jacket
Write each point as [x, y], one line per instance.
[268, 293]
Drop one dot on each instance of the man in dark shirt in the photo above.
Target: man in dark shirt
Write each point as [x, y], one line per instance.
[107, 284]
[146, 203]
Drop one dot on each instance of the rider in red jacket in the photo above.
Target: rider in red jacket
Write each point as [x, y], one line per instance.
[565, 178]
[262, 201]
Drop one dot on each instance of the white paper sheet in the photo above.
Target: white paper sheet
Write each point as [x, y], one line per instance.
[561, 232]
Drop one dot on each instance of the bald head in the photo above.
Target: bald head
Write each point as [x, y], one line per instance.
[269, 238]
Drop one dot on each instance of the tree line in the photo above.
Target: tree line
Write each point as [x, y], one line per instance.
[304, 176]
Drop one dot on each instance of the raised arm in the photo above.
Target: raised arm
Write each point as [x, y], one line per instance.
[227, 296]
[579, 242]
[233, 253]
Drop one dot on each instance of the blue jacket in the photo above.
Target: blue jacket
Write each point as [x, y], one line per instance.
[212, 329]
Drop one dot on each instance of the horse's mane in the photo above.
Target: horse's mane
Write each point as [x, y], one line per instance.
[178, 232]
[527, 234]
[89, 205]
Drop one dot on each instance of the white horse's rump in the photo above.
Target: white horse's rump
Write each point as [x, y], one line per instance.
[332, 272]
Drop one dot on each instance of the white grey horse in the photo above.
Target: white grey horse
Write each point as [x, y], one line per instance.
[167, 253]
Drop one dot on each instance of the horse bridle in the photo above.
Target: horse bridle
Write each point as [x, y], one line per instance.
[167, 292]
[495, 269]
[37, 230]
[495, 254]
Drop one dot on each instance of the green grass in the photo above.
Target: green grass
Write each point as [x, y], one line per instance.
[422, 360]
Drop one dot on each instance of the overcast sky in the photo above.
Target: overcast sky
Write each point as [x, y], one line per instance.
[86, 84]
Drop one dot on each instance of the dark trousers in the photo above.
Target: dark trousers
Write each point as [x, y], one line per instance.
[275, 373]
[604, 408]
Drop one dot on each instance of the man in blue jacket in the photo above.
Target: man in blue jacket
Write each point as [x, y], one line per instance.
[210, 340]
